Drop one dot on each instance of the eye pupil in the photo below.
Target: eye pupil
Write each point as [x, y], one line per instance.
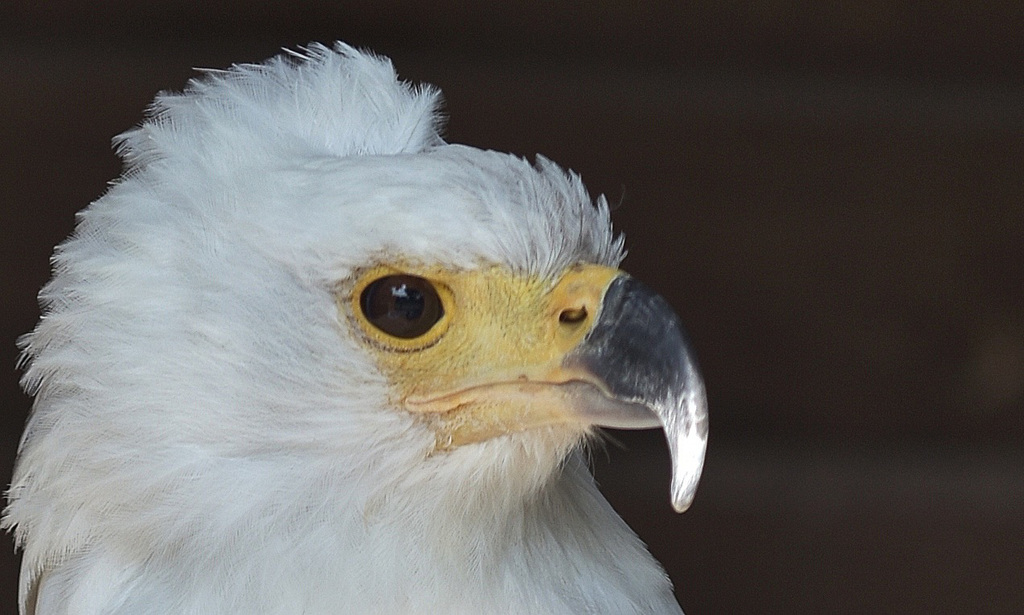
[403, 306]
[408, 302]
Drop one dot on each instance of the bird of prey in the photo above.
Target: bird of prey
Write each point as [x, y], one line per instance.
[306, 357]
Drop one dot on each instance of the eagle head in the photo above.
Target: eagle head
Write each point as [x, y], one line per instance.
[306, 357]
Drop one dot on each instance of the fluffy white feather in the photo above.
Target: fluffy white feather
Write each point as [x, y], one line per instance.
[206, 439]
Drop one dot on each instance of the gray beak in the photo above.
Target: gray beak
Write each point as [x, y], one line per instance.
[637, 348]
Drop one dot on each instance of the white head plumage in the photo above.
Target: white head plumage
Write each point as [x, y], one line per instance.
[207, 439]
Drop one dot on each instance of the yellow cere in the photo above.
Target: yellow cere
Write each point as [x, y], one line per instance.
[487, 367]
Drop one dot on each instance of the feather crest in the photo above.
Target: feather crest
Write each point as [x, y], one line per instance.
[334, 102]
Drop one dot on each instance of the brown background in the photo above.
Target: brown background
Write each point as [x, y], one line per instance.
[831, 194]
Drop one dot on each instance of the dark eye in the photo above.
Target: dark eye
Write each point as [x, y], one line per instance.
[404, 306]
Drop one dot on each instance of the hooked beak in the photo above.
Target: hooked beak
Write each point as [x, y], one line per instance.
[638, 351]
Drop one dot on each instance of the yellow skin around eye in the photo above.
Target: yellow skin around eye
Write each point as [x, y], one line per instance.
[486, 368]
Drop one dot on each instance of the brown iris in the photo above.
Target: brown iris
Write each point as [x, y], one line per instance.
[403, 306]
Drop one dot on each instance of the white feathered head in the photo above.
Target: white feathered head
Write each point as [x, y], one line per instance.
[301, 323]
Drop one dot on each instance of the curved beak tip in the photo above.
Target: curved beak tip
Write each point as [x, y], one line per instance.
[681, 504]
[686, 429]
[685, 477]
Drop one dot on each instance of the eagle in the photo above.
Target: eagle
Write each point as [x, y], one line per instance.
[306, 357]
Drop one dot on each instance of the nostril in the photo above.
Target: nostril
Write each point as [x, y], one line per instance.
[573, 315]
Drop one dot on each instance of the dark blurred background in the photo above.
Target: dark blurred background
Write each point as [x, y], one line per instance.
[831, 195]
